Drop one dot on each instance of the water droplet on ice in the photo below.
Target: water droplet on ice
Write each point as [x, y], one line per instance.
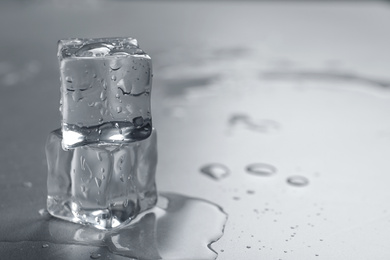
[215, 171]
[82, 162]
[69, 79]
[297, 180]
[98, 182]
[45, 246]
[119, 109]
[122, 178]
[99, 156]
[113, 77]
[261, 169]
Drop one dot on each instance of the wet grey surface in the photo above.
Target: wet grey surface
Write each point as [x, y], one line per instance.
[302, 87]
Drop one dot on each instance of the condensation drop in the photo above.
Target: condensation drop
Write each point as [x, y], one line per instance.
[69, 79]
[113, 77]
[119, 109]
[98, 182]
[45, 246]
[261, 169]
[297, 180]
[215, 171]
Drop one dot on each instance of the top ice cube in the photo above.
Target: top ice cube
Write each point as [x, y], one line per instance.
[105, 91]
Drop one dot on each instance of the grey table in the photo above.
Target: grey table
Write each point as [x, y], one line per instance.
[303, 87]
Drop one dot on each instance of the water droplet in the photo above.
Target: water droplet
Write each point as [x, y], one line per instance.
[297, 180]
[248, 247]
[113, 77]
[83, 189]
[103, 96]
[119, 109]
[94, 76]
[45, 246]
[82, 162]
[76, 95]
[99, 156]
[215, 171]
[69, 79]
[95, 255]
[98, 182]
[102, 170]
[115, 67]
[261, 169]
[122, 177]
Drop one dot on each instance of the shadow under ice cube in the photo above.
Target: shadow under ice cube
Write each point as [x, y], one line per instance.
[98, 184]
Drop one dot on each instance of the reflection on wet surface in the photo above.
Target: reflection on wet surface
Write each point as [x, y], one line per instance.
[179, 227]
[324, 75]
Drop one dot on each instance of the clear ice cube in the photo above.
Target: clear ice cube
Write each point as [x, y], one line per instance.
[105, 91]
[101, 185]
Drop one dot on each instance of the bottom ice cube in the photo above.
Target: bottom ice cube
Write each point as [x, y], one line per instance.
[101, 185]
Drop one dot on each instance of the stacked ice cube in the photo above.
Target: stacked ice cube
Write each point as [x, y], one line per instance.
[102, 161]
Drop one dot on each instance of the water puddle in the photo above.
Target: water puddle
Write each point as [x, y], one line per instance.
[179, 227]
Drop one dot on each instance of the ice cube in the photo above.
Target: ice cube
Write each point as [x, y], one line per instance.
[105, 91]
[101, 185]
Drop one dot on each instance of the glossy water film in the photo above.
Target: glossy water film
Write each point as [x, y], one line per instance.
[105, 91]
[101, 185]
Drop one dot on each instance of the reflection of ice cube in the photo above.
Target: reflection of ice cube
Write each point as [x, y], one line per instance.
[103, 81]
[101, 185]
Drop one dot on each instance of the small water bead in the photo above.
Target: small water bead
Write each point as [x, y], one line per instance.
[95, 255]
[113, 77]
[298, 181]
[261, 169]
[215, 171]
[45, 246]
[99, 156]
[119, 109]
[69, 79]
[98, 182]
